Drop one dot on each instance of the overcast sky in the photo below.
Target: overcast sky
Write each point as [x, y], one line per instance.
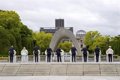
[101, 15]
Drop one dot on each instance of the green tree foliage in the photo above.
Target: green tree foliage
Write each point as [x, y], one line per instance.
[9, 19]
[66, 45]
[42, 39]
[93, 39]
[90, 38]
[26, 38]
[115, 43]
[13, 32]
[5, 40]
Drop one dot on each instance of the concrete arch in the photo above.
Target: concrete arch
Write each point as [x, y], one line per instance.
[61, 33]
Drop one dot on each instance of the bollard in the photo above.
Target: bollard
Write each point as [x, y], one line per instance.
[70, 57]
[14, 59]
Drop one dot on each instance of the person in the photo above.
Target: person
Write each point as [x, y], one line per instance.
[73, 51]
[48, 53]
[97, 53]
[109, 53]
[36, 53]
[24, 55]
[58, 53]
[12, 52]
[85, 54]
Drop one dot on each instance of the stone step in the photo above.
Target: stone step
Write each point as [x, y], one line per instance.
[60, 69]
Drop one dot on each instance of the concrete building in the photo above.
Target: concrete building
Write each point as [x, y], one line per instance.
[59, 23]
[80, 34]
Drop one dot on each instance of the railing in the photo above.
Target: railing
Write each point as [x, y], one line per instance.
[65, 58]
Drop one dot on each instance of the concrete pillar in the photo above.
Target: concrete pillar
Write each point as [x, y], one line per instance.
[70, 56]
[45, 55]
[51, 58]
[14, 59]
[62, 55]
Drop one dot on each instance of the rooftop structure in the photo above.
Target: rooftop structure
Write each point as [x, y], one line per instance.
[59, 23]
[80, 34]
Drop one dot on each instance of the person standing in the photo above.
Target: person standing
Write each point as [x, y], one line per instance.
[12, 52]
[109, 53]
[24, 55]
[58, 53]
[48, 53]
[85, 54]
[97, 53]
[73, 51]
[36, 53]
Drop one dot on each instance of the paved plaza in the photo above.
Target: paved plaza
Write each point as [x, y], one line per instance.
[60, 78]
[60, 69]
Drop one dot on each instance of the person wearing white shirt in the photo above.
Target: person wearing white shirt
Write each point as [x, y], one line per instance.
[24, 55]
[109, 53]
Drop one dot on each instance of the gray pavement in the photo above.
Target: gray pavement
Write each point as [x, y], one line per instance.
[60, 69]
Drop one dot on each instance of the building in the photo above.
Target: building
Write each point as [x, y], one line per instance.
[59, 23]
[80, 34]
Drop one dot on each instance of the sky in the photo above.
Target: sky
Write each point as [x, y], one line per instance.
[88, 15]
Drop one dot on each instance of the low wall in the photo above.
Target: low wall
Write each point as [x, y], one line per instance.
[67, 59]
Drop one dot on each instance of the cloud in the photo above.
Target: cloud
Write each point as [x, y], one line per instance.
[101, 15]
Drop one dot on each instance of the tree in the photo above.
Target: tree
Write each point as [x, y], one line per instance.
[9, 19]
[115, 43]
[6, 39]
[26, 38]
[42, 39]
[93, 39]
[14, 32]
[90, 38]
[66, 46]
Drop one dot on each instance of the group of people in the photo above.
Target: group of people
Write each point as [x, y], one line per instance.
[24, 54]
[59, 52]
[97, 53]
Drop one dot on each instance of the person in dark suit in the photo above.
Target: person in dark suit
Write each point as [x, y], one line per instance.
[73, 51]
[36, 51]
[11, 53]
[97, 53]
[49, 52]
[58, 53]
[85, 54]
